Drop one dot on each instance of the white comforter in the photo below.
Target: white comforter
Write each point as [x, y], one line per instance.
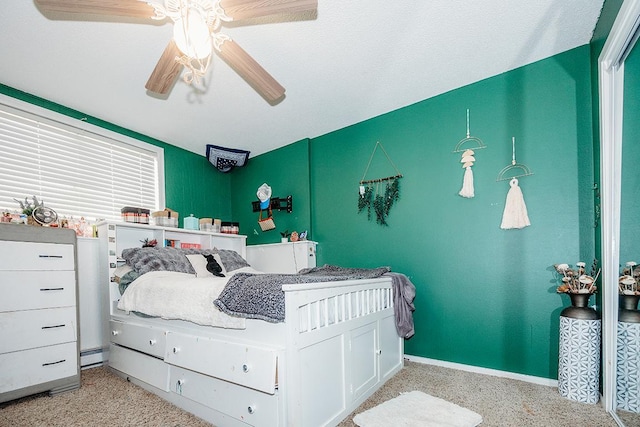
[171, 295]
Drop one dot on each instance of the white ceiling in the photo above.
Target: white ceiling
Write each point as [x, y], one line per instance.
[354, 60]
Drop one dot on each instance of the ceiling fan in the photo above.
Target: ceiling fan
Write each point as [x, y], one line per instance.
[195, 35]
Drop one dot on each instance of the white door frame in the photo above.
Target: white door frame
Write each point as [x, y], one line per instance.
[611, 88]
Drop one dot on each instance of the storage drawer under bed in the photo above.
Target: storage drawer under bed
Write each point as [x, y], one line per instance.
[247, 365]
[250, 406]
[146, 339]
[146, 368]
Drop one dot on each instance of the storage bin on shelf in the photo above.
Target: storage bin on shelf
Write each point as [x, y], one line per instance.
[191, 223]
[135, 215]
[166, 218]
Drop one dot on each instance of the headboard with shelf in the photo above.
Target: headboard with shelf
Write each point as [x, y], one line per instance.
[117, 236]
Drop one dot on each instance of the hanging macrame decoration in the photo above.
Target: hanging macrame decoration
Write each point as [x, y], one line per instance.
[515, 214]
[379, 195]
[467, 182]
[468, 160]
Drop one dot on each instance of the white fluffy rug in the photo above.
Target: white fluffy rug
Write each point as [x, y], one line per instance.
[417, 409]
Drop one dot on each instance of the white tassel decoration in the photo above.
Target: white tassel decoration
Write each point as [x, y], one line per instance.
[515, 210]
[467, 184]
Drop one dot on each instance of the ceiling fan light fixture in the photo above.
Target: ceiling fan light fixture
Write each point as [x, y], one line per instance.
[192, 35]
[195, 35]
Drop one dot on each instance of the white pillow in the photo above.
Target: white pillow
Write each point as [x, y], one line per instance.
[199, 264]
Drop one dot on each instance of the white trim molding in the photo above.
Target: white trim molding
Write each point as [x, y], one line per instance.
[611, 88]
[484, 371]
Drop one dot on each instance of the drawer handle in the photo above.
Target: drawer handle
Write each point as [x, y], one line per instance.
[245, 368]
[49, 256]
[54, 326]
[176, 350]
[251, 409]
[152, 342]
[114, 333]
[54, 363]
[51, 289]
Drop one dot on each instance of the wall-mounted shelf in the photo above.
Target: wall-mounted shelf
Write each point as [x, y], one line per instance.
[277, 204]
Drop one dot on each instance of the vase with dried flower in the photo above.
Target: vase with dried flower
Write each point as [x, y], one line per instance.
[627, 352]
[629, 293]
[579, 286]
[580, 328]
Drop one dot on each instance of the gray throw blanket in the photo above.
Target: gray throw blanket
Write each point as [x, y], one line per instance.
[404, 293]
[260, 296]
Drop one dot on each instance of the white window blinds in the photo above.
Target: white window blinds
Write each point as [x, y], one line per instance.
[73, 171]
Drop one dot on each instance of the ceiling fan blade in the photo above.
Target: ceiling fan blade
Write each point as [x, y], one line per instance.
[251, 71]
[245, 9]
[132, 8]
[166, 71]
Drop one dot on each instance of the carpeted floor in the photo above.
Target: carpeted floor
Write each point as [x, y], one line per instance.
[107, 400]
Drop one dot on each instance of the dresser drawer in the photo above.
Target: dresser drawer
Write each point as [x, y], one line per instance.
[36, 289]
[30, 367]
[146, 368]
[36, 256]
[247, 365]
[22, 330]
[142, 338]
[250, 406]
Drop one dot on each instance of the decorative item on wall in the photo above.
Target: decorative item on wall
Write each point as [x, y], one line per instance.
[277, 204]
[380, 199]
[225, 159]
[468, 159]
[264, 195]
[515, 210]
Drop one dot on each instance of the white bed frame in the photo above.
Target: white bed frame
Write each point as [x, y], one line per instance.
[337, 346]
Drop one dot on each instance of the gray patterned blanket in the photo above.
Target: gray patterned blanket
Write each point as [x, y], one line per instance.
[260, 296]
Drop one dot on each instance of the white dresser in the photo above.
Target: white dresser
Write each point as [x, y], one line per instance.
[38, 311]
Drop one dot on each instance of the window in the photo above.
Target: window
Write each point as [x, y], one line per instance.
[77, 170]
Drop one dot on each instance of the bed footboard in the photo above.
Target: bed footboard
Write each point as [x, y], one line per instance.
[342, 345]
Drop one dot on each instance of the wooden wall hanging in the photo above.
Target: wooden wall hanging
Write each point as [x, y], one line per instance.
[379, 195]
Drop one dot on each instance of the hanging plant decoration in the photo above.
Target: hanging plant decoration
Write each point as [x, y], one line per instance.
[371, 197]
[364, 201]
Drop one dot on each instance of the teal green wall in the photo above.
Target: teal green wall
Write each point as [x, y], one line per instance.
[286, 170]
[630, 201]
[192, 185]
[485, 296]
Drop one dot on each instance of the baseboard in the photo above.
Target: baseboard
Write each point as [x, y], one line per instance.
[485, 371]
[92, 358]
